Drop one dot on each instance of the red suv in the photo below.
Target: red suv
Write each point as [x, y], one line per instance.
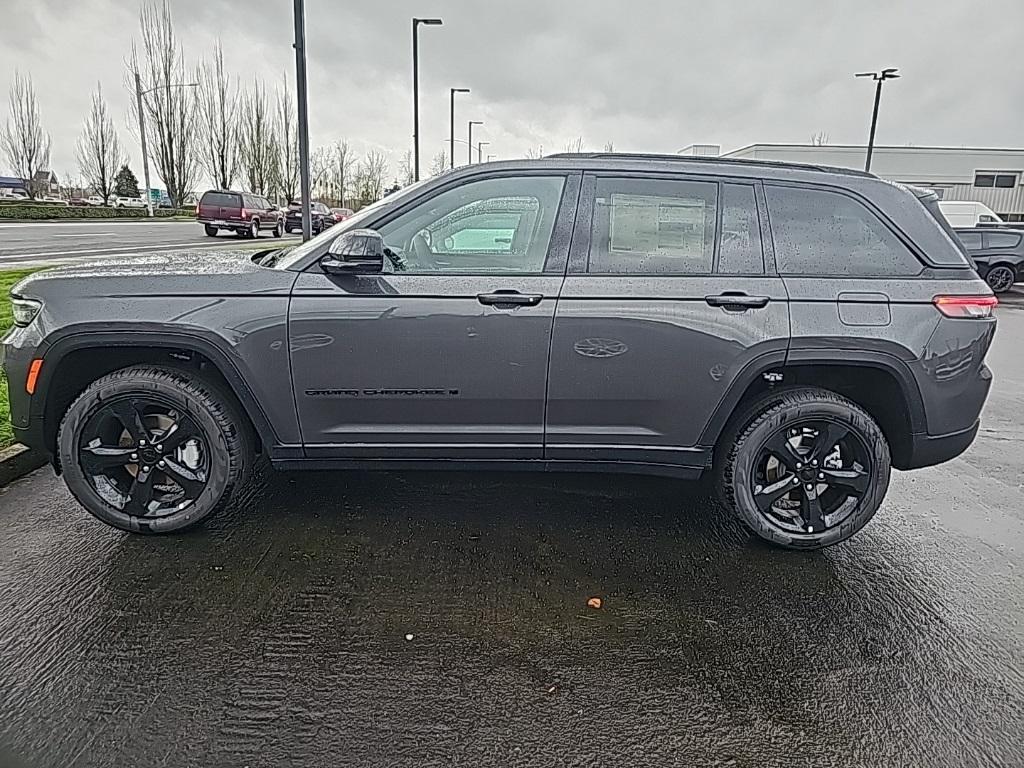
[241, 212]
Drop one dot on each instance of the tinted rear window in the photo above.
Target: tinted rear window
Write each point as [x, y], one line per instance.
[223, 199]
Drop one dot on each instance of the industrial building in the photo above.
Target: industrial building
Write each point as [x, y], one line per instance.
[990, 176]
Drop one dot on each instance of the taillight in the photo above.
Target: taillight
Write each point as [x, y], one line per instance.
[245, 214]
[966, 306]
[197, 209]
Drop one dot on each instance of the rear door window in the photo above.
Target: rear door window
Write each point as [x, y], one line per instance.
[739, 252]
[653, 226]
[971, 240]
[820, 232]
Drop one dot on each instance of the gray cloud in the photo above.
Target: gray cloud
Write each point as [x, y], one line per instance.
[648, 75]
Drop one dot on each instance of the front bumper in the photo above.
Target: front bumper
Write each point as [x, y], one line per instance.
[17, 350]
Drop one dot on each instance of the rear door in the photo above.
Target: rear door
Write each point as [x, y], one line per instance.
[667, 307]
[446, 354]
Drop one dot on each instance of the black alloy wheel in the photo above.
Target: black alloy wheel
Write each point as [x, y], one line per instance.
[1000, 278]
[144, 456]
[804, 468]
[810, 476]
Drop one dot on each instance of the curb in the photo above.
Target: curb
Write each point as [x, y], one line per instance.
[17, 461]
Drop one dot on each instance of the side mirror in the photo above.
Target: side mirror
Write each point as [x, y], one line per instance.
[356, 252]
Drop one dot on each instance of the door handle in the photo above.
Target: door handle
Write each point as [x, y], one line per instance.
[510, 298]
[737, 301]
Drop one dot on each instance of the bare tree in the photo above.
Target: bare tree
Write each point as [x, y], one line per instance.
[287, 141]
[819, 139]
[406, 176]
[369, 177]
[320, 165]
[440, 163]
[343, 163]
[99, 148]
[26, 144]
[574, 145]
[257, 141]
[609, 146]
[170, 110]
[217, 112]
[535, 154]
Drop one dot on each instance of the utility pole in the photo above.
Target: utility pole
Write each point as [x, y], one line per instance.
[300, 78]
[451, 124]
[469, 144]
[879, 77]
[416, 91]
[142, 136]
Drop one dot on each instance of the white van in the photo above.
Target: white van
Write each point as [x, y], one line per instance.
[962, 214]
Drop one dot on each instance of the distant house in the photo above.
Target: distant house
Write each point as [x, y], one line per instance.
[46, 183]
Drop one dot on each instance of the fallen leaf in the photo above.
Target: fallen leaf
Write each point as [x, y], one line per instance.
[408, 637]
[595, 602]
[553, 688]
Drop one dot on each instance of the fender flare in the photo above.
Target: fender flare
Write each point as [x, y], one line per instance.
[779, 361]
[57, 347]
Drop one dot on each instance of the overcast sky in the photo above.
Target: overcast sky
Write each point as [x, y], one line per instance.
[648, 75]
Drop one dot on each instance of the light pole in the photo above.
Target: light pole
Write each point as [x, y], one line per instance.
[300, 87]
[451, 123]
[491, 157]
[480, 150]
[416, 91]
[469, 144]
[139, 93]
[890, 73]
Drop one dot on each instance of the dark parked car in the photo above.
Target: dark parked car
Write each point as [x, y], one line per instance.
[321, 217]
[998, 255]
[243, 213]
[794, 331]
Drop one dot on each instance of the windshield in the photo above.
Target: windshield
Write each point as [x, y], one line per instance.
[287, 257]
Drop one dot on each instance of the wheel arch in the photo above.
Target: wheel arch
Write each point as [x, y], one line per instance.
[72, 362]
[880, 383]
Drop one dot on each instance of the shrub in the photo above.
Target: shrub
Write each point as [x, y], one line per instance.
[35, 211]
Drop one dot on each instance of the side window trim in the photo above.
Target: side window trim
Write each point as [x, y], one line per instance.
[884, 220]
[767, 243]
[760, 214]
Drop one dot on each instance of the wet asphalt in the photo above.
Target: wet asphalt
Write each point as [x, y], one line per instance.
[276, 635]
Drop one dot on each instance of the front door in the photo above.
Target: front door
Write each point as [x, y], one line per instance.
[445, 354]
[665, 309]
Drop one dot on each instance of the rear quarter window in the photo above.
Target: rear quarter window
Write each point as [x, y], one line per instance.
[1001, 240]
[820, 232]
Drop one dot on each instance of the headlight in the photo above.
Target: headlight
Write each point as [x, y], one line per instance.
[24, 310]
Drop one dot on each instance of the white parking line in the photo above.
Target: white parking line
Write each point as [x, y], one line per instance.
[84, 234]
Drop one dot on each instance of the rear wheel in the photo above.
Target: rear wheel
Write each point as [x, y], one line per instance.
[254, 230]
[806, 469]
[210, 231]
[1000, 278]
[153, 450]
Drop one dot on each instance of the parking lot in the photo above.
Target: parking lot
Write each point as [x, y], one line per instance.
[442, 619]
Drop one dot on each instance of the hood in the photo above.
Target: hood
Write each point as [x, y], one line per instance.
[196, 271]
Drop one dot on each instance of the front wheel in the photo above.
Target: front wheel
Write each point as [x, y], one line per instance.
[153, 450]
[277, 230]
[1000, 279]
[806, 469]
[254, 230]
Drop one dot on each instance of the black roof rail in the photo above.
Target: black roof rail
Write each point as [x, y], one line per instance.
[712, 160]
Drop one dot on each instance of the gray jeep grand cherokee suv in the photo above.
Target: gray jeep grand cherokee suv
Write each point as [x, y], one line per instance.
[794, 330]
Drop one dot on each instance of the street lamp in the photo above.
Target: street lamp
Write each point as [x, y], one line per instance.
[469, 147]
[480, 150]
[416, 91]
[890, 73]
[139, 93]
[451, 123]
[303, 137]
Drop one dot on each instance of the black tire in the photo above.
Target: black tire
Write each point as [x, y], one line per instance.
[227, 447]
[277, 230]
[254, 230]
[210, 231]
[1000, 278]
[781, 413]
